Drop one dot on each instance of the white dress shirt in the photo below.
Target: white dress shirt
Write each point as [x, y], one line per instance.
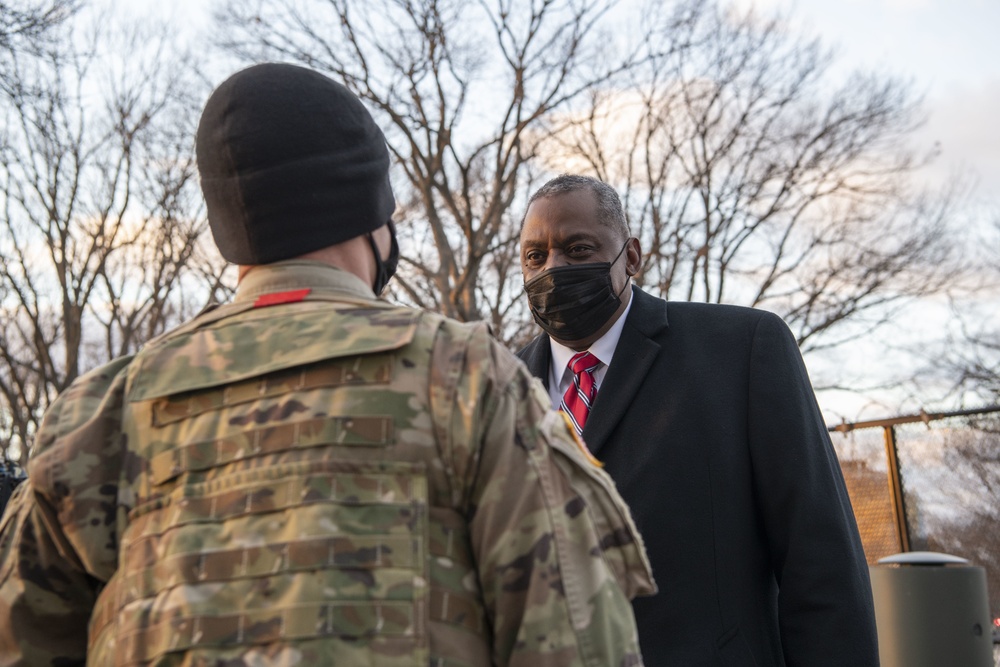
[560, 376]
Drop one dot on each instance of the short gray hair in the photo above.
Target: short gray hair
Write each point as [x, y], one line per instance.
[609, 206]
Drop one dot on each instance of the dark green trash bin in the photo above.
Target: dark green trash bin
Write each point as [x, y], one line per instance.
[931, 610]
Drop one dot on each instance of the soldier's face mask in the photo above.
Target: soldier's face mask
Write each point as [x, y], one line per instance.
[573, 302]
[385, 269]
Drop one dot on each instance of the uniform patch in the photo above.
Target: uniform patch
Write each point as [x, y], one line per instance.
[579, 442]
[277, 298]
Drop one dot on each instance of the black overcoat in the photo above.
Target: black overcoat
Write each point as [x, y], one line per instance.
[708, 424]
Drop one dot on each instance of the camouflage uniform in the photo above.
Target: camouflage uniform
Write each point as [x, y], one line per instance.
[311, 476]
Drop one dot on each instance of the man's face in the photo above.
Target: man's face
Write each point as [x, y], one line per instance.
[564, 229]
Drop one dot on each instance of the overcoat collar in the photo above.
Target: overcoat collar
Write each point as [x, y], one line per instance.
[637, 348]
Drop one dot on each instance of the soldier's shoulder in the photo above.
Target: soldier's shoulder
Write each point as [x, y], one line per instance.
[471, 333]
[89, 407]
[472, 347]
[85, 392]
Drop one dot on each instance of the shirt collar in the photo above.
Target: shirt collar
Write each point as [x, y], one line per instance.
[603, 348]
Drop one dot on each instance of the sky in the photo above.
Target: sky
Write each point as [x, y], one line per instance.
[947, 49]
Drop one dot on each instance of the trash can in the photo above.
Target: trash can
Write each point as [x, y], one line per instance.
[931, 610]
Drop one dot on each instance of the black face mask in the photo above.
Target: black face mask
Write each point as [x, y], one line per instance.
[573, 302]
[385, 269]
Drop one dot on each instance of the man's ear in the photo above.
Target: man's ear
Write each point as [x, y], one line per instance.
[633, 256]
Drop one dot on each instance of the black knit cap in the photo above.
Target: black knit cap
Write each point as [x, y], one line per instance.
[290, 162]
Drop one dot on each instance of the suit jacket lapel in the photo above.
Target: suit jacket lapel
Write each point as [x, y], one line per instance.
[633, 358]
[536, 355]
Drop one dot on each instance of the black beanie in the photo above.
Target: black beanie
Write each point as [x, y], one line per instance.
[290, 162]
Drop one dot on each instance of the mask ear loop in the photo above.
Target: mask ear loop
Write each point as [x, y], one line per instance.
[628, 278]
[380, 269]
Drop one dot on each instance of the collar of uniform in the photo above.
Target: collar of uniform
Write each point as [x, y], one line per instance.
[299, 274]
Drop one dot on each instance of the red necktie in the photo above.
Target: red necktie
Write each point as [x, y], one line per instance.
[580, 395]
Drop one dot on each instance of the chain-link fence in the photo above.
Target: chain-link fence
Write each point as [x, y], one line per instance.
[928, 482]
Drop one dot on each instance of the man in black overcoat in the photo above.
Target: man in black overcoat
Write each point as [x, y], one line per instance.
[705, 417]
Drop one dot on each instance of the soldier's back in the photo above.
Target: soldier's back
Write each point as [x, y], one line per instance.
[320, 476]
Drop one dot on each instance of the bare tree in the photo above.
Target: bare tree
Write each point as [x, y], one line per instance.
[970, 361]
[464, 90]
[749, 175]
[968, 476]
[25, 26]
[977, 367]
[752, 177]
[97, 211]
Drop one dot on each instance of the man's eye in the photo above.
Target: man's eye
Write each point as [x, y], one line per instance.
[577, 250]
[534, 257]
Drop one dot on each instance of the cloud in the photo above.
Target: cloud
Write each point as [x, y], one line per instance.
[908, 5]
[963, 120]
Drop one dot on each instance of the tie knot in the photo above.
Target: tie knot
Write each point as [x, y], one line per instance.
[583, 362]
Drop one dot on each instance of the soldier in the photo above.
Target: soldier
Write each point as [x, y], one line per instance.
[311, 475]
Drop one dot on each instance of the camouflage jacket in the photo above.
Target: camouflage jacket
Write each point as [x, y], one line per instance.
[312, 476]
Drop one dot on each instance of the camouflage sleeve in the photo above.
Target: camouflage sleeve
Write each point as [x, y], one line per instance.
[57, 536]
[557, 553]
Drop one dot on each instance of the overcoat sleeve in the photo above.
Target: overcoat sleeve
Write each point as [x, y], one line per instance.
[825, 608]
